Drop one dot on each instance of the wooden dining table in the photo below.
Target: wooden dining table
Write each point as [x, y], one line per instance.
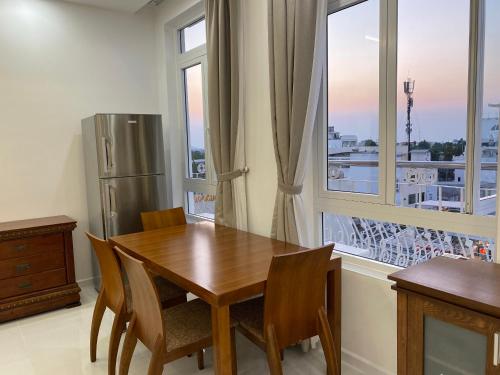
[222, 266]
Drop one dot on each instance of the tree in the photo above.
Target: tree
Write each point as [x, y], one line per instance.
[423, 145]
[370, 142]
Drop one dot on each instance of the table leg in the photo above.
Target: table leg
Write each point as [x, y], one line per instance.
[221, 332]
[334, 309]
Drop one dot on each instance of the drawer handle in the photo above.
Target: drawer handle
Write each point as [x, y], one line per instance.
[23, 267]
[25, 285]
[20, 247]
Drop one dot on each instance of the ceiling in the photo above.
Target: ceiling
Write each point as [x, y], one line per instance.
[130, 6]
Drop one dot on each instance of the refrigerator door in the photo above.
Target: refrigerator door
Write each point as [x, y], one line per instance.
[129, 145]
[125, 198]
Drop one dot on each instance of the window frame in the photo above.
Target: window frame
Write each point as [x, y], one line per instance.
[182, 61]
[382, 206]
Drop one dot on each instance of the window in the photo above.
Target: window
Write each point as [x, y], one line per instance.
[353, 116]
[190, 66]
[489, 111]
[193, 36]
[432, 78]
[193, 87]
[407, 163]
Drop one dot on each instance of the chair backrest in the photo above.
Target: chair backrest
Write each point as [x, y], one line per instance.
[295, 291]
[111, 275]
[161, 219]
[149, 324]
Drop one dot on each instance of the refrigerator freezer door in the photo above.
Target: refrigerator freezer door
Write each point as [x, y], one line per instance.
[125, 198]
[129, 145]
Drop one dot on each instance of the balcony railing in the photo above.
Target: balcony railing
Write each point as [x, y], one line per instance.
[453, 200]
[486, 166]
[401, 245]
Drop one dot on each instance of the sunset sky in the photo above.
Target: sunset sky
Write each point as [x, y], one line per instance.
[194, 98]
[433, 40]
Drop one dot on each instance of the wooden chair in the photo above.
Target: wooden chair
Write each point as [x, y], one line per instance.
[169, 334]
[115, 294]
[292, 308]
[161, 219]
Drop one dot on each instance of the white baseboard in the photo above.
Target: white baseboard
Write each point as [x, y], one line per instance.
[357, 365]
[86, 282]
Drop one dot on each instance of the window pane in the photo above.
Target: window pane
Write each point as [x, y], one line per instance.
[432, 103]
[486, 196]
[353, 92]
[193, 36]
[400, 245]
[194, 122]
[201, 204]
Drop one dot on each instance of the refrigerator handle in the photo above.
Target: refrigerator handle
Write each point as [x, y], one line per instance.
[112, 201]
[106, 151]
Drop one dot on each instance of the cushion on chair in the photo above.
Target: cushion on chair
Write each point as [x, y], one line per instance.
[188, 323]
[166, 289]
[250, 316]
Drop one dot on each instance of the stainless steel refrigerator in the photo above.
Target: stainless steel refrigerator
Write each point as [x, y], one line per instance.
[125, 172]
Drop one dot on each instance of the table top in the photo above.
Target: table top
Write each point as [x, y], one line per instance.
[472, 284]
[219, 264]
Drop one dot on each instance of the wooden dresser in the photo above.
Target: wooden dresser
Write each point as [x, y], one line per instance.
[37, 270]
[448, 317]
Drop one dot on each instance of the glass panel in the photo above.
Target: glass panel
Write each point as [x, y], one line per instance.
[452, 350]
[194, 122]
[353, 92]
[193, 36]
[486, 199]
[432, 104]
[400, 245]
[201, 204]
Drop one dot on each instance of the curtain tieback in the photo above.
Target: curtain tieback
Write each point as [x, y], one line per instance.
[290, 189]
[228, 176]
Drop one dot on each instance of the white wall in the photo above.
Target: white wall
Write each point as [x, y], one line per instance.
[59, 63]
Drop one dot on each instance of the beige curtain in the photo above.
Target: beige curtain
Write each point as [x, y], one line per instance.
[224, 54]
[297, 44]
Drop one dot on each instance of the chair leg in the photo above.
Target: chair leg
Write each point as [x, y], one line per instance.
[114, 340]
[128, 347]
[99, 309]
[282, 355]
[201, 359]
[273, 352]
[326, 337]
[156, 362]
[233, 351]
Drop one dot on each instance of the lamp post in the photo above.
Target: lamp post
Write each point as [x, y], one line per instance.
[409, 86]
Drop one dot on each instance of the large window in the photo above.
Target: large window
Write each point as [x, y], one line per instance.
[409, 137]
[353, 99]
[191, 61]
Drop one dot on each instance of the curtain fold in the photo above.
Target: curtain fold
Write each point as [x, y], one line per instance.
[225, 115]
[297, 47]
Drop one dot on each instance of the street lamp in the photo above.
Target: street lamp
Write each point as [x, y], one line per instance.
[409, 86]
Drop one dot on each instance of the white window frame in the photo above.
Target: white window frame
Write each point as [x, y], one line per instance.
[382, 206]
[181, 61]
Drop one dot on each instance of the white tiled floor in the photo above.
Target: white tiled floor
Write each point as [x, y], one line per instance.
[58, 343]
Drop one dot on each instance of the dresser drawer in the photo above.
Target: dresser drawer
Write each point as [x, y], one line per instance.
[31, 264]
[32, 283]
[31, 246]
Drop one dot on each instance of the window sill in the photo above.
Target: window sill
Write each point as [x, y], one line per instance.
[367, 267]
[196, 219]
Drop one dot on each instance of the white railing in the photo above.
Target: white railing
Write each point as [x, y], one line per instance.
[401, 245]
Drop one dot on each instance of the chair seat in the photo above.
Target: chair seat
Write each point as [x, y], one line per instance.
[166, 289]
[188, 323]
[250, 316]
